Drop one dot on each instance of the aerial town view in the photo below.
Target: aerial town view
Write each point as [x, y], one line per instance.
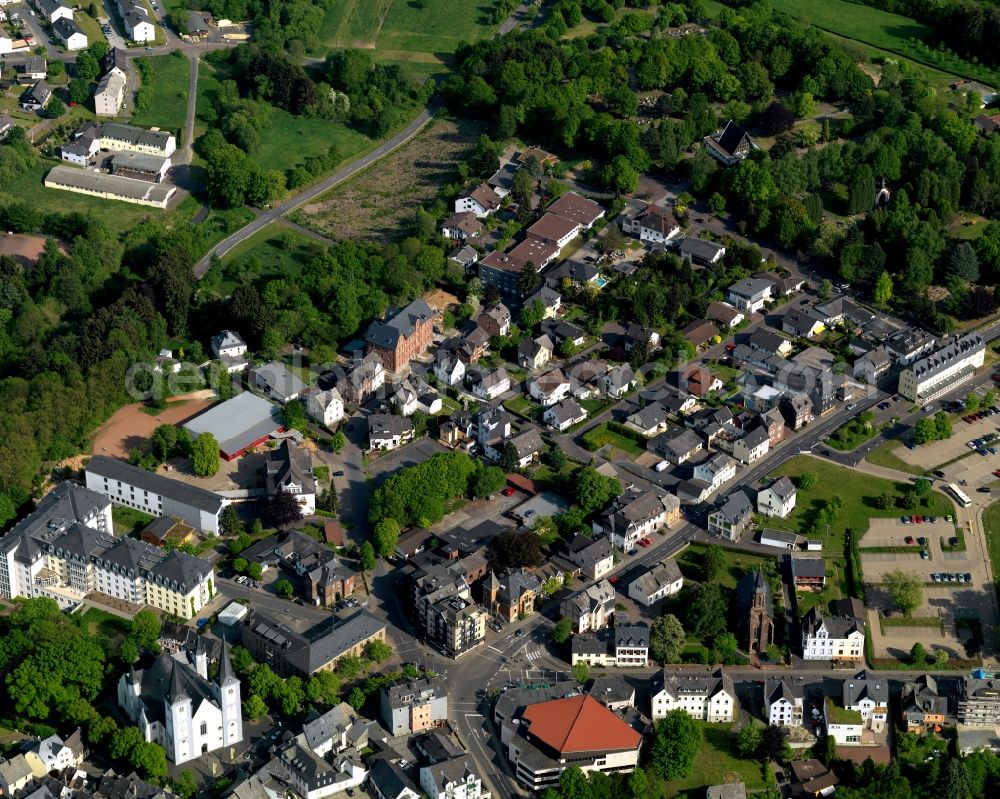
[494, 399]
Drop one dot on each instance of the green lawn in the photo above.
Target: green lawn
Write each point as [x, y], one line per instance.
[90, 27]
[716, 762]
[523, 407]
[885, 455]
[737, 564]
[165, 78]
[851, 435]
[897, 34]
[991, 527]
[601, 435]
[128, 520]
[857, 492]
[275, 251]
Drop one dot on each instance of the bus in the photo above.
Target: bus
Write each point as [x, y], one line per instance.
[959, 495]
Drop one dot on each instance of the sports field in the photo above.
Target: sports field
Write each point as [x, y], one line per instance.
[890, 32]
[404, 32]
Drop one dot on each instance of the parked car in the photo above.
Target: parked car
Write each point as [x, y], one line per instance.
[909, 540]
[508, 492]
[968, 577]
[925, 554]
[953, 541]
[921, 541]
[904, 519]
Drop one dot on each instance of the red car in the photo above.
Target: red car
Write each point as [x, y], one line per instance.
[508, 492]
[913, 520]
[645, 542]
[996, 472]
[909, 540]
[614, 580]
[920, 520]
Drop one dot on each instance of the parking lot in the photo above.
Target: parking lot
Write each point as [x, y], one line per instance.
[930, 456]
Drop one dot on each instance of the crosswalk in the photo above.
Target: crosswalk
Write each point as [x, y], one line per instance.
[534, 654]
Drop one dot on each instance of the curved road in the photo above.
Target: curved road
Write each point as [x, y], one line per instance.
[342, 174]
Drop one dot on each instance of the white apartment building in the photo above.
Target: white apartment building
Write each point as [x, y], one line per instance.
[943, 369]
[839, 638]
[783, 702]
[705, 697]
[326, 407]
[452, 779]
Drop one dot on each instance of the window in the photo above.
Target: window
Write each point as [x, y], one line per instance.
[204, 728]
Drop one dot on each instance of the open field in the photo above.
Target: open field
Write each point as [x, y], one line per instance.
[377, 204]
[130, 426]
[857, 491]
[275, 251]
[891, 32]
[601, 436]
[717, 761]
[886, 455]
[164, 91]
[399, 31]
[287, 140]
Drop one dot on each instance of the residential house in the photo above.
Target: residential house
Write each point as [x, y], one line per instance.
[731, 519]
[908, 345]
[326, 407]
[590, 608]
[402, 335]
[783, 701]
[471, 345]
[656, 582]
[802, 324]
[519, 589]
[730, 146]
[648, 420]
[701, 251]
[110, 94]
[386, 431]
[362, 380]
[276, 382]
[654, 224]
[770, 343]
[495, 320]
[752, 446]
[677, 445]
[413, 706]
[750, 294]
[52, 10]
[57, 754]
[231, 349]
[595, 558]
[716, 470]
[699, 332]
[550, 299]
[754, 615]
[586, 378]
[613, 692]
[492, 430]
[924, 708]
[534, 353]
[808, 574]
[502, 181]
[27, 70]
[700, 382]
[774, 422]
[758, 395]
[843, 725]
[560, 331]
[527, 445]
[725, 314]
[797, 410]
[37, 97]
[575, 273]
[15, 775]
[631, 641]
[533, 157]
[868, 695]
[481, 201]
[7, 124]
[542, 738]
[387, 780]
[138, 25]
[810, 778]
[778, 499]
[564, 415]
[618, 381]
[462, 226]
[636, 514]
[577, 209]
[987, 123]
[705, 697]
[549, 388]
[638, 337]
[872, 365]
[69, 33]
[456, 429]
[455, 778]
[985, 94]
[838, 638]
[782, 286]
[843, 310]
[488, 384]
[448, 368]
[554, 230]
[288, 468]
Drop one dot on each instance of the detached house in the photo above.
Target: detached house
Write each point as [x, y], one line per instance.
[448, 368]
[231, 349]
[649, 421]
[731, 146]
[710, 698]
[619, 381]
[534, 353]
[699, 332]
[778, 499]
[783, 701]
[481, 201]
[802, 324]
[731, 519]
[37, 97]
[868, 695]
[769, 343]
[701, 251]
[52, 10]
[495, 320]
[839, 638]
[716, 470]
[488, 385]
[677, 445]
[387, 431]
[277, 382]
[654, 224]
[637, 514]
[550, 299]
[516, 595]
[549, 388]
[591, 608]
[326, 407]
[69, 33]
[595, 558]
[725, 314]
[749, 294]
[564, 415]
[656, 582]
[462, 226]
[363, 380]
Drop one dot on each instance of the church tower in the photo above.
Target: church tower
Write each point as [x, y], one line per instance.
[227, 693]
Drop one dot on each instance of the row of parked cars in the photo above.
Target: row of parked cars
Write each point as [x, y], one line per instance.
[919, 520]
[951, 577]
[982, 414]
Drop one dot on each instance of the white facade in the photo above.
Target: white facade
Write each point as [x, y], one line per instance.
[449, 370]
[748, 450]
[59, 12]
[702, 697]
[822, 646]
[444, 781]
[326, 407]
[77, 40]
[110, 94]
[655, 584]
[716, 471]
[771, 503]
[942, 370]
[548, 390]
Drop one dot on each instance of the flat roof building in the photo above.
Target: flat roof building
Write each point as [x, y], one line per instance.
[238, 424]
[110, 187]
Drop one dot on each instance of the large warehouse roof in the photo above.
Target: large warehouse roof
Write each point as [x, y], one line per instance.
[237, 423]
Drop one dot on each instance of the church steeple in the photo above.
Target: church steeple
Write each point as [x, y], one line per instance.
[226, 674]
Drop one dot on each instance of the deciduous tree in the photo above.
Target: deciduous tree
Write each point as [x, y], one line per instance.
[675, 744]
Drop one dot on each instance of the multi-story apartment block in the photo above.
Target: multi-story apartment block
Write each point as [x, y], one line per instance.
[783, 702]
[636, 514]
[590, 608]
[402, 335]
[414, 705]
[942, 370]
[706, 697]
[979, 702]
[838, 638]
[457, 623]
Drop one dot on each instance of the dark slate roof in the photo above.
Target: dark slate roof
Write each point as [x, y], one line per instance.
[176, 490]
[402, 323]
[747, 588]
[65, 28]
[631, 634]
[731, 137]
[389, 779]
[866, 686]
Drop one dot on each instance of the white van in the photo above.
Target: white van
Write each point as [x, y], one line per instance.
[662, 466]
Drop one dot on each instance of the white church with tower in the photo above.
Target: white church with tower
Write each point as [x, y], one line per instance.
[174, 703]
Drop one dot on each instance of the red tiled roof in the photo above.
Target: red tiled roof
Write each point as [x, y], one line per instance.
[579, 724]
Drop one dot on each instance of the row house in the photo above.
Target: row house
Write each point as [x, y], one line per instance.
[709, 698]
[591, 608]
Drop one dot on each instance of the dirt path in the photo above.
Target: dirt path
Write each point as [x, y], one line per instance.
[131, 426]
